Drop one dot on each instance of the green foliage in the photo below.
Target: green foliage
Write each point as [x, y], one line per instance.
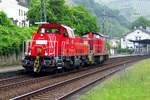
[141, 21]
[126, 51]
[4, 20]
[11, 38]
[58, 12]
[108, 45]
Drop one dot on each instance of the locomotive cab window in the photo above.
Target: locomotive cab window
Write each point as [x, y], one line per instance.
[85, 35]
[65, 34]
[50, 30]
[96, 36]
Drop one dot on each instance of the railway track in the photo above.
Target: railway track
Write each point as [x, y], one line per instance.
[60, 88]
[18, 81]
[13, 79]
[27, 86]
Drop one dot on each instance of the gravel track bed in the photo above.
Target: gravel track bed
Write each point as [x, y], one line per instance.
[14, 79]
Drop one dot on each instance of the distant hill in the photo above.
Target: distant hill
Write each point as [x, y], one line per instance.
[110, 21]
[131, 9]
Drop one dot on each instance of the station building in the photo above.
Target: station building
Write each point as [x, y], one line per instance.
[137, 40]
[16, 10]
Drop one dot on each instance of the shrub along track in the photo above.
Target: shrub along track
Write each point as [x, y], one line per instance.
[57, 86]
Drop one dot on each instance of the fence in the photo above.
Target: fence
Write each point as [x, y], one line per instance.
[11, 56]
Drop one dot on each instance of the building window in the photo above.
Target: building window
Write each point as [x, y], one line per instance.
[139, 38]
[24, 13]
[138, 32]
[19, 12]
[15, 22]
[136, 38]
[123, 39]
[20, 24]
[23, 23]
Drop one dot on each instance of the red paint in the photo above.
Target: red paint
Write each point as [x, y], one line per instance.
[60, 44]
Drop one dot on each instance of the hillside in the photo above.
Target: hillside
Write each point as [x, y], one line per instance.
[131, 9]
[110, 21]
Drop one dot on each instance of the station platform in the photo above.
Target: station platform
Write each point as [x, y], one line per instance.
[11, 68]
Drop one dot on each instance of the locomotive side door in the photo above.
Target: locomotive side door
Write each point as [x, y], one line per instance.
[65, 43]
[90, 36]
[91, 53]
[68, 41]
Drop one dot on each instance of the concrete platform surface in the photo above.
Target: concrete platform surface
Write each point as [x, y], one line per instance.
[10, 68]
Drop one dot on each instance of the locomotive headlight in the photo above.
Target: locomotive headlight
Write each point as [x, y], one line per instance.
[29, 53]
[26, 53]
[41, 34]
[46, 54]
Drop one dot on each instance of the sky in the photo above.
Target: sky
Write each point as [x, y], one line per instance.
[106, 1]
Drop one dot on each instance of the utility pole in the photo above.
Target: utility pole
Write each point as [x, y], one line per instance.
[104, 19]
[43, 11]
[104, 15]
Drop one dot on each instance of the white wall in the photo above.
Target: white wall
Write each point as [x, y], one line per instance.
[15, 11]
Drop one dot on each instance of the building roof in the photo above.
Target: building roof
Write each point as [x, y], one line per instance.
[24, 3]
[143, 30]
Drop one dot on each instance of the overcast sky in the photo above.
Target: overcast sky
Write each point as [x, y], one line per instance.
[106, 1]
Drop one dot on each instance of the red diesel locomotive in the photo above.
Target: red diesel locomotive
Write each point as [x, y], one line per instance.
[55, 47]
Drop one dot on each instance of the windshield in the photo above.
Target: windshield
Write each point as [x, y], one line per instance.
[50, 30]
[85, 35]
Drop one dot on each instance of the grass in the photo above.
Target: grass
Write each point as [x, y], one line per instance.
[130, 84]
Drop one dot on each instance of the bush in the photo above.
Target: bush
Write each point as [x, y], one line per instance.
[12, 38]
[4, 20]
[128, 51]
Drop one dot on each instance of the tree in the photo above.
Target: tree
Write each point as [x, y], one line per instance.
[34, 11]
[58, 12]
[4, 20]
[141, 21]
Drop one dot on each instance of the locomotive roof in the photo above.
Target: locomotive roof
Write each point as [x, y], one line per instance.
[69, 30]
[98, 33]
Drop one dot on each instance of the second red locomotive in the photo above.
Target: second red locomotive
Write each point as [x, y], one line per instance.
[55, 46]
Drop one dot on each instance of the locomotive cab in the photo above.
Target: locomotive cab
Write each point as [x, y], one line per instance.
[45, 48]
